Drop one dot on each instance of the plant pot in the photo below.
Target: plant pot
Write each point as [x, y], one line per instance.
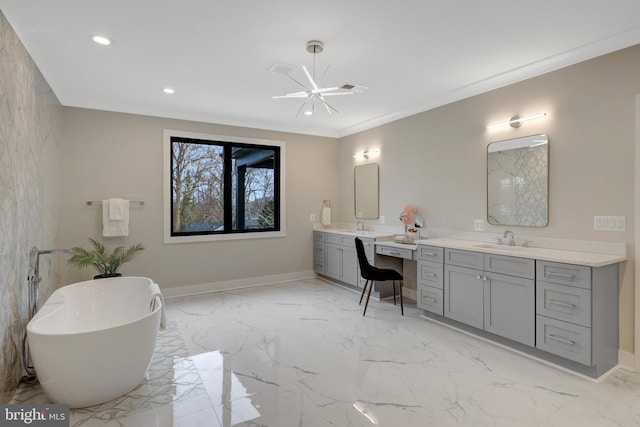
[106, 276]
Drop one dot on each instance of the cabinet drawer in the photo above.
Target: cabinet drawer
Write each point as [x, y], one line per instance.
[395, 252]
[513, 266]
[319, 266]
[564, 274]
[430, 253]
[430, 299]
[332, 238]
[464, 258]
[318, 249]
[431, 273]
[564, 303]
[318, 236]
[348, 241]
[564, 339]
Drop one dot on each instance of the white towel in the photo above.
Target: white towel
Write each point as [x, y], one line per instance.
[325, 217]
[115, 217]
[156, 298]
[116, 209]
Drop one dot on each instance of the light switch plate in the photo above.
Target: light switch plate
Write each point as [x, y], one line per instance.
[381, 219]
[609, 223]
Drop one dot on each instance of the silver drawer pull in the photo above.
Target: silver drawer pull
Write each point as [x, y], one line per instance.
[430, 275]
[564, 276]
[431, 299]
[395, 253]
[429, 253]
[553, 337]
[478, 277]
[563, 304]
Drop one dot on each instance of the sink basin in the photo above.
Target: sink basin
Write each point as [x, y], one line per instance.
[496, 246]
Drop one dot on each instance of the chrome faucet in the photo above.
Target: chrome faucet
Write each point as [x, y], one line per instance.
[33, 278]
[509, 235]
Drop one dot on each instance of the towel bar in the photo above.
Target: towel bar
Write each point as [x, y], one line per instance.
[99, 202]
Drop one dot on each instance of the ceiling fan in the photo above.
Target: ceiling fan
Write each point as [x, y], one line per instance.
[312, 91]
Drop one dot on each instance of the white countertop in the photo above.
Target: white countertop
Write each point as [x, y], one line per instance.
[357, 233]
[590, 259]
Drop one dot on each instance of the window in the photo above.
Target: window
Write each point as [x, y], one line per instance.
[219, 187]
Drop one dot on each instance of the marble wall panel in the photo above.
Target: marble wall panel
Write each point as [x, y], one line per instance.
[29, 190]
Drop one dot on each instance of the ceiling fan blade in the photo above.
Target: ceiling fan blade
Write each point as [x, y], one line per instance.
[303, 104]
[337, 93]
[313, 83]
[354, 88]
[324, 74]
[306, 88]
[327, 105]
[301, 94]
[325, 89]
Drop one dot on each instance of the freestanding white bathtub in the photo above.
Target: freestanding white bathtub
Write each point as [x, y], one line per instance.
[93, 341]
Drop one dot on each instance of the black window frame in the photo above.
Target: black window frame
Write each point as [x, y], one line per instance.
[228, 147]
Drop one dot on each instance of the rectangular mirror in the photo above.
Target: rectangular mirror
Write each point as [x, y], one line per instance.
[518, 182]
[366, 191]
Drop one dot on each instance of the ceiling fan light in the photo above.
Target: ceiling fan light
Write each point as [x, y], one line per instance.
[102, 40]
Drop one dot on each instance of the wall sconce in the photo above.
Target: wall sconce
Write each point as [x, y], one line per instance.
[366, 154]
[516, 121]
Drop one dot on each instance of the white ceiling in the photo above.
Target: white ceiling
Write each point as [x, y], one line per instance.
[413, 54]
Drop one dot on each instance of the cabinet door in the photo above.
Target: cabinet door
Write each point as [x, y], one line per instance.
[349, 266]
[509, 307]
[463, 295]
[333, 261]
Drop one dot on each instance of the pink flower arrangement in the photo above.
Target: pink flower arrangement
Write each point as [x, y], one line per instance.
[408, 215]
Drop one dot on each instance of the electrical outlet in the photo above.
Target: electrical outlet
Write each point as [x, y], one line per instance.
[312, 217]
[478, 225]
[381, 219]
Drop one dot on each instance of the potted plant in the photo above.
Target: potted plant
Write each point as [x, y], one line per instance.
[106, 262]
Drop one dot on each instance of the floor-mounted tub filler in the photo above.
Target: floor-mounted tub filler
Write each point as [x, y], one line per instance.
[93, 341]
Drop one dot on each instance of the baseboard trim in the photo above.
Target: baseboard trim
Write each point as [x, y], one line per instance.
[627, 360]
[225, 285]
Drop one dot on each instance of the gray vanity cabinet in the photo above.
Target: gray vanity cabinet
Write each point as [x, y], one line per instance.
[318, 252]
[464, 295]
[498, 297]
[341, 258]
[430, 286]
[509, 307]
[577, 313]
[335, 257]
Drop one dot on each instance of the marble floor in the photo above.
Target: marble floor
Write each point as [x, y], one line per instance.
[300, 354]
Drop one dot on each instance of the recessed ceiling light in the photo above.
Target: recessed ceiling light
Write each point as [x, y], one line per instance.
[168, 90]
[102, 40]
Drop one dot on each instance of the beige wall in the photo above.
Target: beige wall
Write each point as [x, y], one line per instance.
[120, 155]
[29, 172]
[436, 160]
